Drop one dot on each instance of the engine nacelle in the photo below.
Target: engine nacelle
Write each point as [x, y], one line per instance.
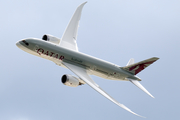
[70, 80]
[51, 38]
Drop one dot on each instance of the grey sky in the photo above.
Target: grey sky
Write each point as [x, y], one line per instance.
[116, 30]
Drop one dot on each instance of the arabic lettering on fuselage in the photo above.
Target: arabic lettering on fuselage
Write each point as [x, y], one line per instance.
[49, 53]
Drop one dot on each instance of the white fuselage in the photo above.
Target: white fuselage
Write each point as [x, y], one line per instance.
[57, 54]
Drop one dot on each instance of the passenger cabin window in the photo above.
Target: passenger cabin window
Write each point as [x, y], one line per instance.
[25, 42]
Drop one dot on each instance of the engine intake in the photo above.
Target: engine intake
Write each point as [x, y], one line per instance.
[51, 38]
[70, 80]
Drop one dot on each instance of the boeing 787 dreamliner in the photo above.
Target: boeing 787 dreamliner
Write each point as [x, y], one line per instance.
[64, 52]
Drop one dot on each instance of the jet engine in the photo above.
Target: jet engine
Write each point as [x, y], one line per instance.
[51, 38]
[70, 80]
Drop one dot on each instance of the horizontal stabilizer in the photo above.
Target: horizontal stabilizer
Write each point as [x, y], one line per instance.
[135, 82]
[138, 67]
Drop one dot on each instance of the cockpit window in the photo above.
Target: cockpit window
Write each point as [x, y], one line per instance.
[25, 42]
[45, 37]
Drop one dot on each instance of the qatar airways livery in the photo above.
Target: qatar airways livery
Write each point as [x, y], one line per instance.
[64, 52]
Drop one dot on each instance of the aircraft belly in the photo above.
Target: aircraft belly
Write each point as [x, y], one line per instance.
[99, 74]
[107, 76]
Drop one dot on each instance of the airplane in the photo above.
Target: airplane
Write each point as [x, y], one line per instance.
[64, 52]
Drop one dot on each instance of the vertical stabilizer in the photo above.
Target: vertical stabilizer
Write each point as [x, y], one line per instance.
[135, 68]
[138, 67]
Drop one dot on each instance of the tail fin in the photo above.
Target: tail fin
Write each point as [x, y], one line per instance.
[138, 67]
[135, 68]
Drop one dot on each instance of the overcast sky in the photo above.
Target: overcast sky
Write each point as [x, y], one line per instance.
[115, 31]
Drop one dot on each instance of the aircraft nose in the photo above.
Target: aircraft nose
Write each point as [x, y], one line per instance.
[18, 44]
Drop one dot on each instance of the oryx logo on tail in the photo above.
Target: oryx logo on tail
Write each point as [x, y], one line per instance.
[138, 67]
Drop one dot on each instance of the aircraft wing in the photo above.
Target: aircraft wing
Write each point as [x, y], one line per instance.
[83, 75]
[69, 37]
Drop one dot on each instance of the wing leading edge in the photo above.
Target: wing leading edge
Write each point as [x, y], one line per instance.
[70, 35]
[83, 75]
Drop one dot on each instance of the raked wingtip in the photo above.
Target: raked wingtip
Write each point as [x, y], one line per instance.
[137, 114]
[126, 108]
